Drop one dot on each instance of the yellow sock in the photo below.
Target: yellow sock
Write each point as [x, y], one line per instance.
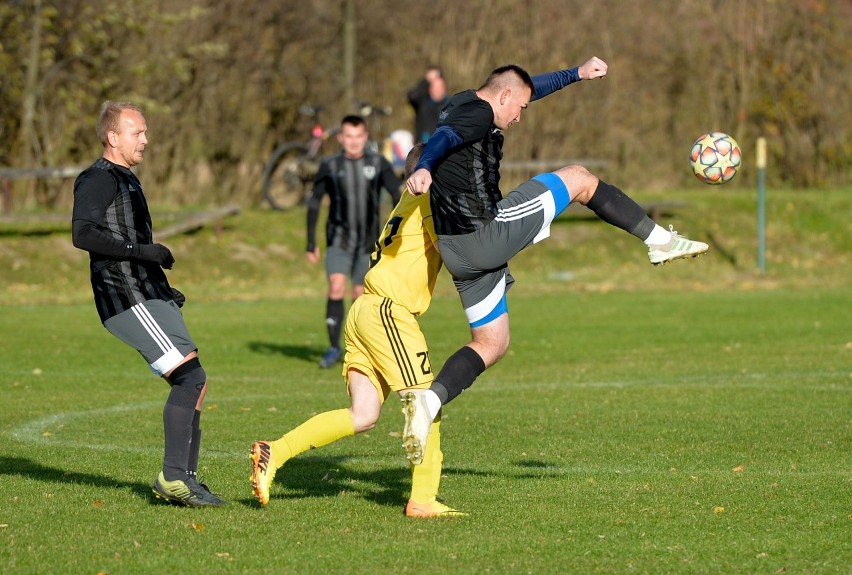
[318, 431]
[426, 477]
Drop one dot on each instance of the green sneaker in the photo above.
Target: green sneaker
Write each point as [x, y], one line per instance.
[188, 493]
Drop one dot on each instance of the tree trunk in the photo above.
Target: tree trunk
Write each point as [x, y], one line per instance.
[28, 103]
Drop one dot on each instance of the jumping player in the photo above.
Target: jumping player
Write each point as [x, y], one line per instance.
[479, 231]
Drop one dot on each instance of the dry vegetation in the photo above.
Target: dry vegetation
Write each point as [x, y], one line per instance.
[222, 81]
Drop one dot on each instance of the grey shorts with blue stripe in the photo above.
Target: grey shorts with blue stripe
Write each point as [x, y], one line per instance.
[478, 261]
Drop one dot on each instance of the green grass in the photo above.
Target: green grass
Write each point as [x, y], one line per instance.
[604, 443]
[688, 419]
[260, 254]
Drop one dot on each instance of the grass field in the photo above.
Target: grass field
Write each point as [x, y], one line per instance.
[691, 419]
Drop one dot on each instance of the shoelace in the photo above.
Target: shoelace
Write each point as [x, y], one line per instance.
[197, 487]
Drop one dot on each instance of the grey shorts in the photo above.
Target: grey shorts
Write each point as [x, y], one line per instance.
[478, 261]
[155, 328]
[354, 264]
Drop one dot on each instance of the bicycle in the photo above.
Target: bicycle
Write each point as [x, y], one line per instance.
[291, 168]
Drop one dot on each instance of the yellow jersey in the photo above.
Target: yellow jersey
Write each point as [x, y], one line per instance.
[405, 261]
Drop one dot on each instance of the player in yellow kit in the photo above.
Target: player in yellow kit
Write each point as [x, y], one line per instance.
[385, 351]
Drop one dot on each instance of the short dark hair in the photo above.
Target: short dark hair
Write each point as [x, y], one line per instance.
[413, 157]
[497, 73]
[353, 120]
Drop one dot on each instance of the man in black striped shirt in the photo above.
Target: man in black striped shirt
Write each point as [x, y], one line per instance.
[134, 300]
[479, 230]
[353, 179]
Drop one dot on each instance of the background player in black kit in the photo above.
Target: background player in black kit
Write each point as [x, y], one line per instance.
[133, 297]
[353, 180]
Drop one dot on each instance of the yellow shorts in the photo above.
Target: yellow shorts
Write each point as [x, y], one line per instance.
[384, 342]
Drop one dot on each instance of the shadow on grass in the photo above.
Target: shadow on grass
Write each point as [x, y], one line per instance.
[509, 473]
[303, 477]
[34, 470]
[388, 487]
[303, 352]
[307, 477]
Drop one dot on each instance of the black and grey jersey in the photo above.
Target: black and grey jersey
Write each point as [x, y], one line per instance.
[110, 217]
[354, 188]
[466, 183]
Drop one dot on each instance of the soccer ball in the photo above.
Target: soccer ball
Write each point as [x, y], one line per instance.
[715, 158]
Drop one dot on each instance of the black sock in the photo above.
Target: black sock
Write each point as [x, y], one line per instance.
[617, 208]
[177, 427]
[334, 320]
[459, 372]
[194, 446]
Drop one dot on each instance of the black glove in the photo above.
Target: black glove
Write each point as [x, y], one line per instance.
[178, 297]
[157, 253]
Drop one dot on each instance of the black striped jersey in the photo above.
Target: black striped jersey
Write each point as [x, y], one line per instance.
[354, 189]
[110, 217]
[465, 185]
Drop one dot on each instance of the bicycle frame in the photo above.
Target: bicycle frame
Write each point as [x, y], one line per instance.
[292, 165]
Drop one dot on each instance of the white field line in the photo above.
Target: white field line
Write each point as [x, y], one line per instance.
[36, 430]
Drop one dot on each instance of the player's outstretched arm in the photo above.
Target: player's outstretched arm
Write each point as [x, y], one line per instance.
[549, 82]
[594, 68]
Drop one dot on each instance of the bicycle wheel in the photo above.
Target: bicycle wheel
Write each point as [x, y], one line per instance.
[286, 176]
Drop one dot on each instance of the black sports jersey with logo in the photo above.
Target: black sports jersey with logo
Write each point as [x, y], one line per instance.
[354, 188]
[466, 183]
[110, 217]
